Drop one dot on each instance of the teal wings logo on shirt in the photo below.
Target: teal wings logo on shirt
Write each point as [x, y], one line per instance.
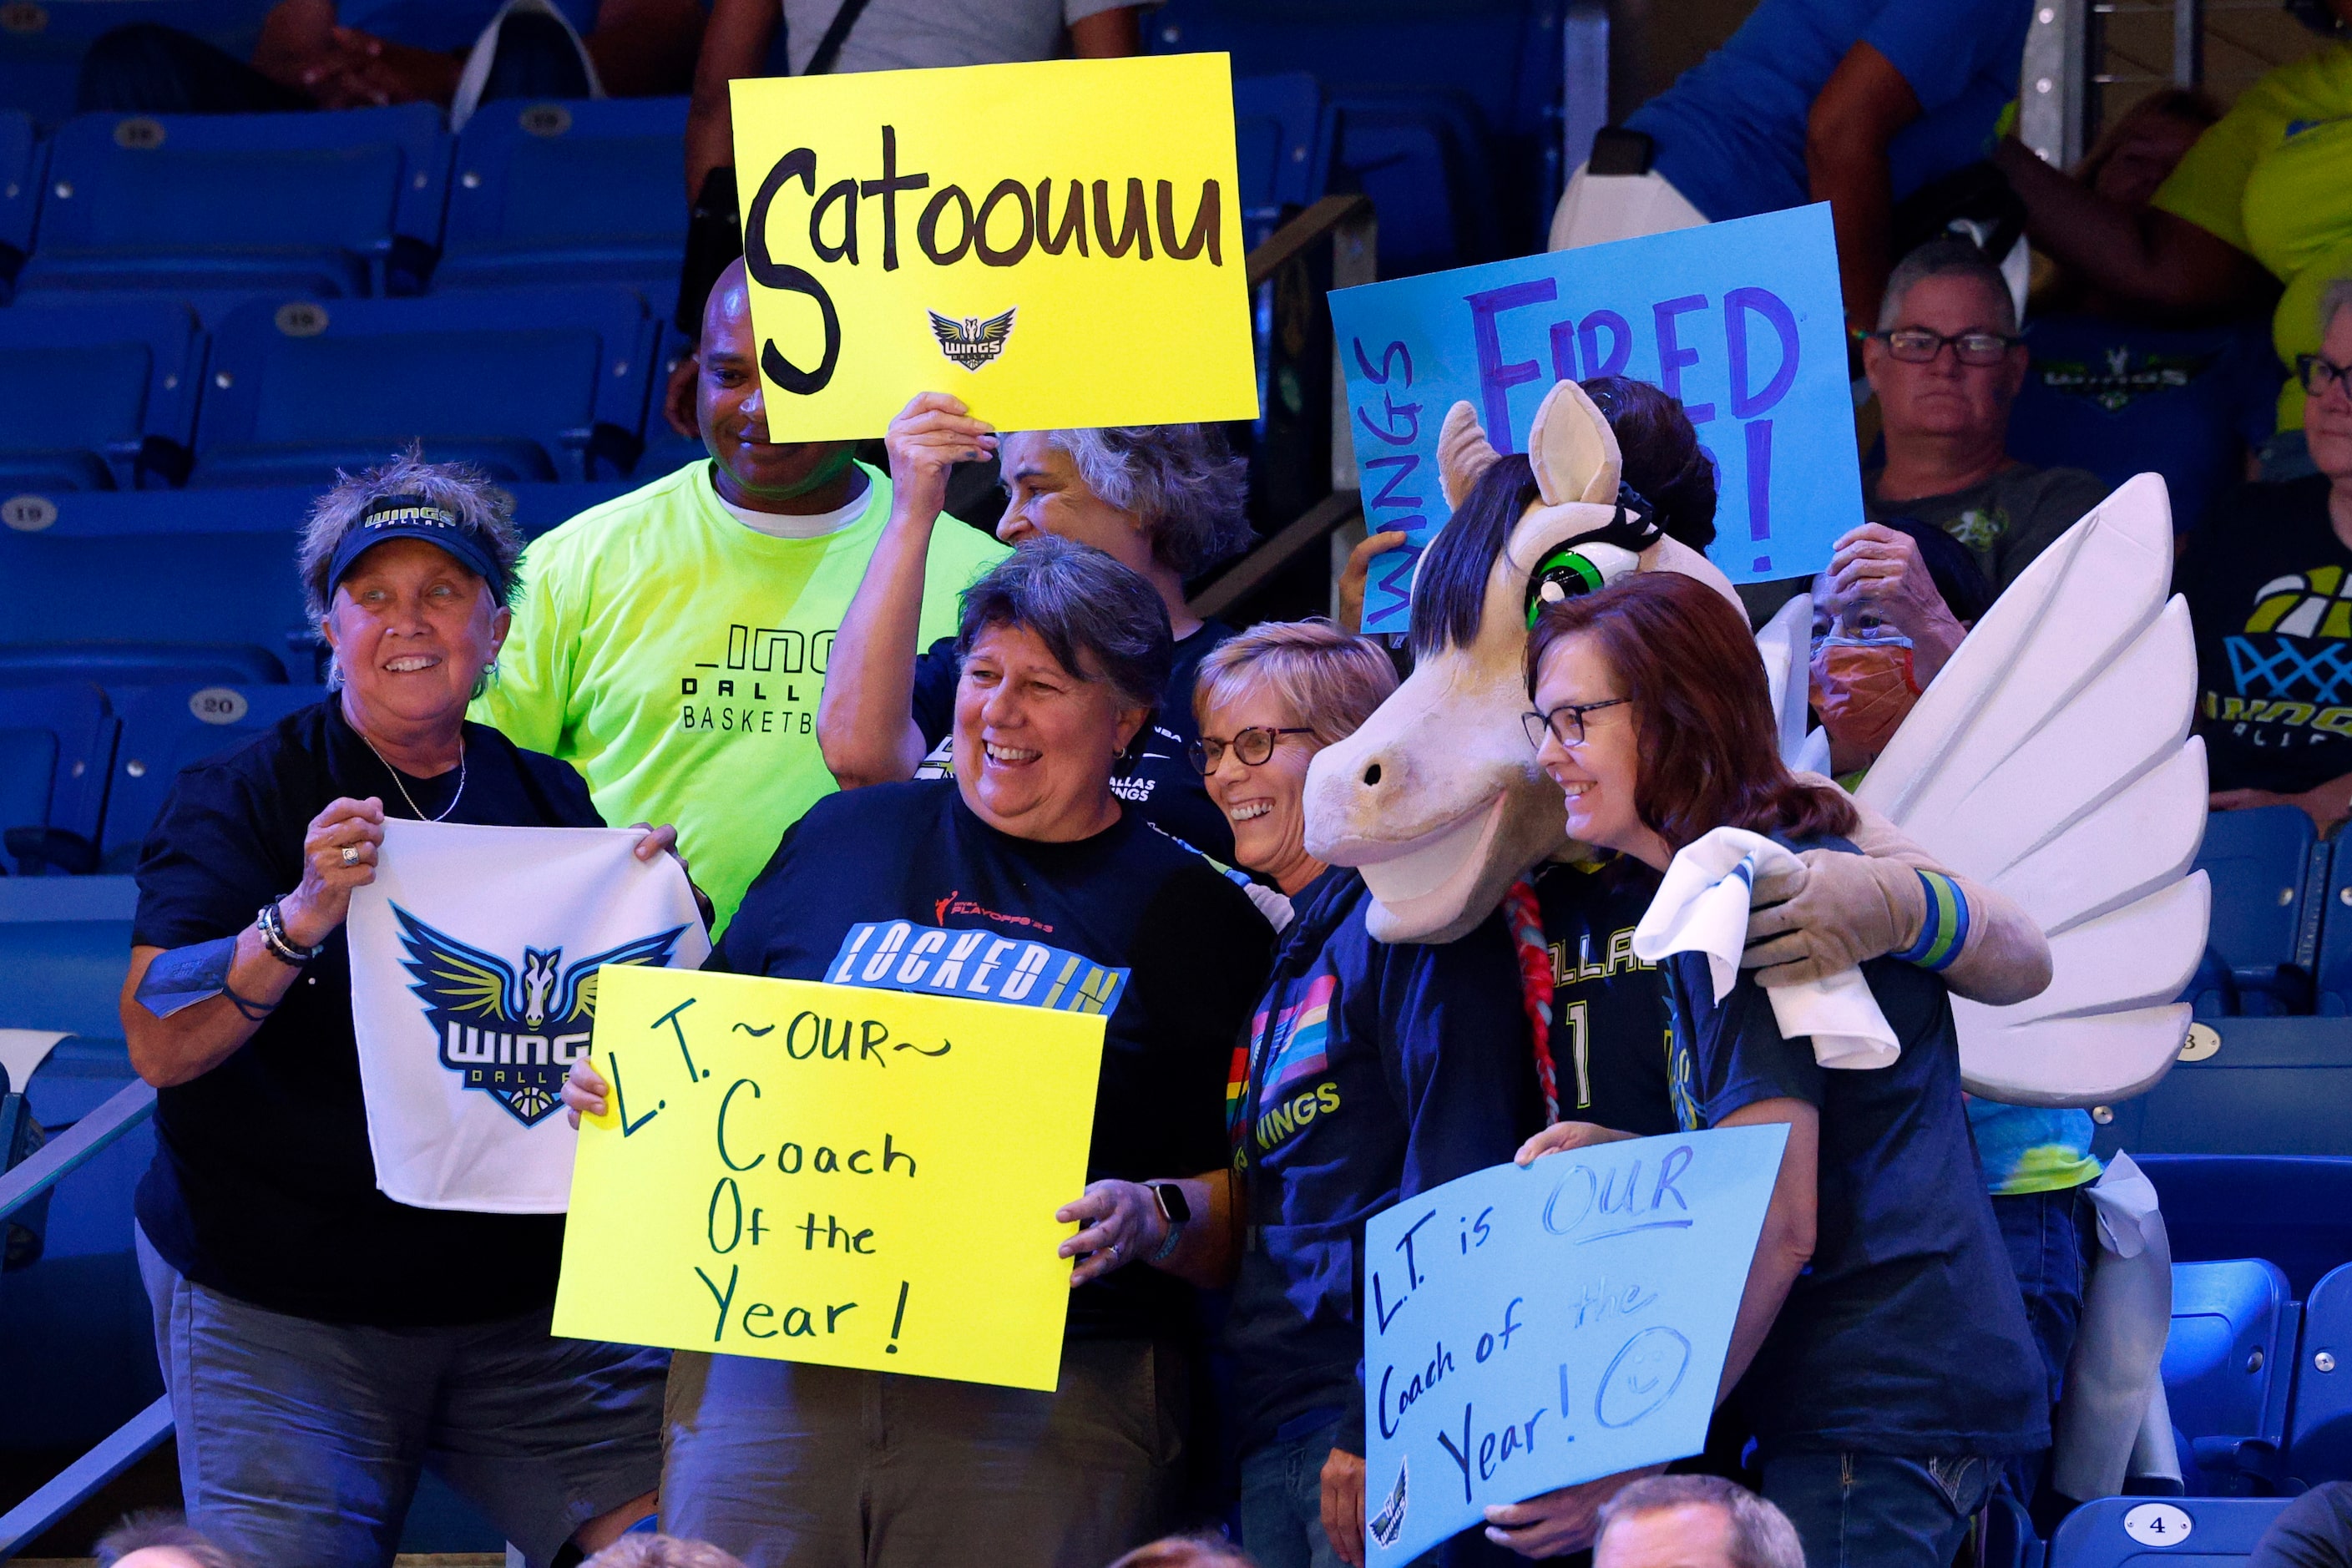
[513, 1034]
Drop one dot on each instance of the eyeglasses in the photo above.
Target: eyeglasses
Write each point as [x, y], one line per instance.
[1918, 345]
[1565, 723]
[1253, 746]
[2318, 373]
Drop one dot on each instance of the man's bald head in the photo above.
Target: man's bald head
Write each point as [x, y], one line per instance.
[793, 478]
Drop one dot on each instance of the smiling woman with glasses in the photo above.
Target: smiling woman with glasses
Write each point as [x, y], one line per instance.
[1564, 722]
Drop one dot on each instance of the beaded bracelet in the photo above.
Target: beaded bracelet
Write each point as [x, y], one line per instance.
[281, 946]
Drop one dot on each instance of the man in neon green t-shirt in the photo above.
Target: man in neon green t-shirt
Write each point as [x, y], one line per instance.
[672, 644]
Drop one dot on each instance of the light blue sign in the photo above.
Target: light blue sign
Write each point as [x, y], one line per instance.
[1526, 1328]
[1742, 320]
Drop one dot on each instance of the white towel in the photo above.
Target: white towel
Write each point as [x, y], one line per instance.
[1702, 907]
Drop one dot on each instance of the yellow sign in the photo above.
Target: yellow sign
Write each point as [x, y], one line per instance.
[830, 1173]
[1058, 243]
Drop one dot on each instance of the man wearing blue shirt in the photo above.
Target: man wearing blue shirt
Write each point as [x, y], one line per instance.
[1854, 102]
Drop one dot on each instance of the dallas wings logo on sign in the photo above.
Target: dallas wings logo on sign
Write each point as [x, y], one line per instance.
[513, 1035]
[972, 343]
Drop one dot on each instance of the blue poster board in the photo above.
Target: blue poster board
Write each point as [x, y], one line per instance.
[1530, 1327]
[1742, 320]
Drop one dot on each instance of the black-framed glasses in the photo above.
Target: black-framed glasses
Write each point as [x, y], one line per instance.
[1918, 345]
[1565, 723]
[1253, 745]
[2318, 373]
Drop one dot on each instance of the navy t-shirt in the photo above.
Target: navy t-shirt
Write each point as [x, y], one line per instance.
[1906, 1334]
[1157, 777]
[1611, 1032]
[2269, 587]
[263, 1187]
[1373, 1071]
[2120, 399]
[1731, 129]
[1169, 949]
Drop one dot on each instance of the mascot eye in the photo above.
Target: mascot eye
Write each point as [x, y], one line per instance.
[1565, 574]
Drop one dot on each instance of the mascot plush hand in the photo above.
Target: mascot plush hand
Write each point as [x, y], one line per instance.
[1437, 799]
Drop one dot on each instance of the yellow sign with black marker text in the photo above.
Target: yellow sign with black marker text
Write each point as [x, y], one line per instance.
[1058, 243]
[863, 1178]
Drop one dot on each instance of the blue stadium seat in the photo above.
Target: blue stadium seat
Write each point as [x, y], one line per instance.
[2319, 1435]
[2331, 960]
[2294, 1212]
[577, 191]
[65, 946]
[2228, 1369]
[164, 728]
[42, 43]
[95, 396]
[2246, 1086]
[2263, 938]
[116, 665]
[330, 205]
[542, 383]
[1283, 136]
[56, 744]
[2139, 1532]
[23, 158]
[1418, 153]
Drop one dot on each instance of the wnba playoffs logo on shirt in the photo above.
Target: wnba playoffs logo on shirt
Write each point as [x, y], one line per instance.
[513, 1035]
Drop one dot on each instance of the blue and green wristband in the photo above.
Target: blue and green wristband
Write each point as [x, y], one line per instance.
[1945, 932]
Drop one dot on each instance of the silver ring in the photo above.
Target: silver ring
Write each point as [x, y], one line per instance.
[1112, 1249]
[351, 854]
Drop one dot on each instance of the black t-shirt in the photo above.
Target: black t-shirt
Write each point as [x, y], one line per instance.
[1611, 1032]
[263, 1187]
[1157, 777]
[910, 866]
[2269, 587]
[1906, 1334]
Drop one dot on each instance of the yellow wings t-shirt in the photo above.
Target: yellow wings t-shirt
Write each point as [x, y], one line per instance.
[675, 656]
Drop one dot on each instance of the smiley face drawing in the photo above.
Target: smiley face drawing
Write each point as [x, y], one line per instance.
[1647, 1371]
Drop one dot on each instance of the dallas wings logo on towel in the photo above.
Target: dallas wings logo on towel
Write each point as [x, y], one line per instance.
[972, 341]
[513, 1035]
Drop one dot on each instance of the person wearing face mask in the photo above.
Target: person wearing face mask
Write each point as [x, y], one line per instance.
[1894, 602]
[673, 640]
[2037, 1160]
[1164, 500]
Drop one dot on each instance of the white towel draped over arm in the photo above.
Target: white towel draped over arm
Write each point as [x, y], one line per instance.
[1702, 907]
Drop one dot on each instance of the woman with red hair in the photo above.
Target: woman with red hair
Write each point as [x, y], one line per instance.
[1884, 1357]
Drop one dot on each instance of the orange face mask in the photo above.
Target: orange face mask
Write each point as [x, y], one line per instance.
[1863, 690]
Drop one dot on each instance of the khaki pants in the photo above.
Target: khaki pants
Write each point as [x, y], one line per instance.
[1597, 209]
[793, 1466]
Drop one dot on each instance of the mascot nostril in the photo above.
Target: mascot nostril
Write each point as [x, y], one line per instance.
[1372, 774]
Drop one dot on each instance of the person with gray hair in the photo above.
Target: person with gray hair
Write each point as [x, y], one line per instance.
[158, 1538]
[1947, 362]
[1164, 500]
[1693, 1521]
[2264, 575]
[319, 1342]
[1024, 880]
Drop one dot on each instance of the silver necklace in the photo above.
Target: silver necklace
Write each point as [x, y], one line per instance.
[398, 784]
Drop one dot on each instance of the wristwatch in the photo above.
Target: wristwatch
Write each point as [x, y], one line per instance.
[1177, 1210]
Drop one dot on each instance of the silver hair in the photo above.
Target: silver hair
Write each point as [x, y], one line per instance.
[461, 488]
[1949, 256]
[140, 1531]
[2335, 297]
[1181, 481]
[1760, 1534]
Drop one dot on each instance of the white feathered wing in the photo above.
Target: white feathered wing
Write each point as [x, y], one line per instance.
[2052, 758]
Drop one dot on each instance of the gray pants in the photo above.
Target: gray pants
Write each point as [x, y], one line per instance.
[792, 1466]
[300, 1441]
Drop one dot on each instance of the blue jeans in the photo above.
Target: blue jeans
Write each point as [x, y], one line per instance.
[300, 1441]
[1879, 1510]
[1282, 1503]
[2049, 1236]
